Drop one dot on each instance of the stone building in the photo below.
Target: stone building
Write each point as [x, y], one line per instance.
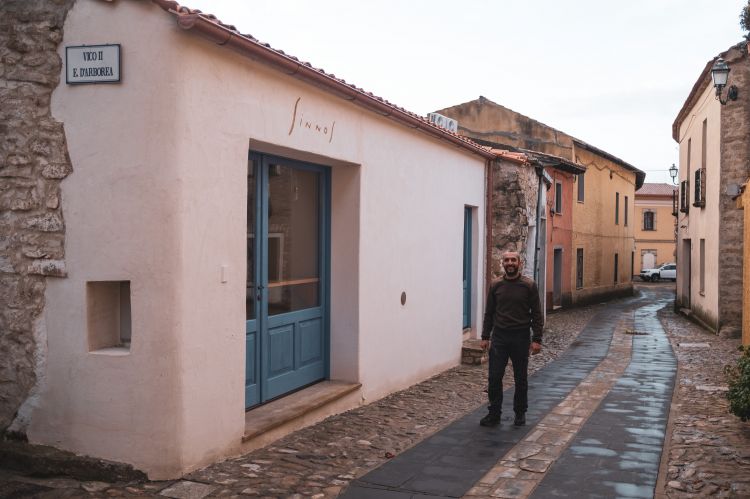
[33, 162]
[714, 163]
[655, 226]
[193, 240]
[602, 255]
[548, 234]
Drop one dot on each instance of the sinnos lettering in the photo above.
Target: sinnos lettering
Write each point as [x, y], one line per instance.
[300, 121]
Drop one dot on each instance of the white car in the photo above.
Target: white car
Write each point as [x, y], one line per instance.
[666, 271]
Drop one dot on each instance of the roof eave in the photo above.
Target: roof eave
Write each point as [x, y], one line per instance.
[224, 36]
[698, 88]
[640, 175]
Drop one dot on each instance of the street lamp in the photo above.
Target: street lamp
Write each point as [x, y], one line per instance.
[673, 173]
[720, 75]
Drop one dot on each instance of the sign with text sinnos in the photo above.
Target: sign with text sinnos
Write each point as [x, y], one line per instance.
[92, 64]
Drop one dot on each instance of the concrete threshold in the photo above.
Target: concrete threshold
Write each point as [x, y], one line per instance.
[292, 412]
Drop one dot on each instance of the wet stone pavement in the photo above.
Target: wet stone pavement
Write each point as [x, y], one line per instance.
[599, 413]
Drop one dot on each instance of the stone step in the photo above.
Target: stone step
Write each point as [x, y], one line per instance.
[472, 353]
[275, 419]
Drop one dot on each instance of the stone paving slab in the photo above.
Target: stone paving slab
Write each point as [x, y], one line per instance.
[521, 470]
[474, 450]
[617, 451]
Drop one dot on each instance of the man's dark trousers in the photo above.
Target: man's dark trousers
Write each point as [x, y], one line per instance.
[510, 344]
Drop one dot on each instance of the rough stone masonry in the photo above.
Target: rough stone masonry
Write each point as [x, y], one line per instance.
[513, 207]
[735, 155]
[33, 162]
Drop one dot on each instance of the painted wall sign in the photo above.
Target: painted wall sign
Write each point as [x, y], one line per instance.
[300, 122]
[92, 64]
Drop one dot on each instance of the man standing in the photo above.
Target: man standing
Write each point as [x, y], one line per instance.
[512, 309]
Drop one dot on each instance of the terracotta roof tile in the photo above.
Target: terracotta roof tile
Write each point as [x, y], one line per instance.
[517, 157]
[180, 10]
[656, 190]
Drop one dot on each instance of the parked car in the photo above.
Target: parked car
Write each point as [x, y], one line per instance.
[665, 271]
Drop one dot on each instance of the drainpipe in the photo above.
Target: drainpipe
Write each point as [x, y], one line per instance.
[488, 224]
[540, 177]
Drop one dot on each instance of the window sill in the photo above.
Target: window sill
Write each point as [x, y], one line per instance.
[117, 351]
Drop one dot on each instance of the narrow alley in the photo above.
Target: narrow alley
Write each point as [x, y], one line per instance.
[599, 425]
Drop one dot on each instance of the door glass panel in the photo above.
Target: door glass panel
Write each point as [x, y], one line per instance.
[293, 239]
[251, 303]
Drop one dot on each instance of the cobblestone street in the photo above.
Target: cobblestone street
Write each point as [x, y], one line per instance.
[709, 448]
[706, 453]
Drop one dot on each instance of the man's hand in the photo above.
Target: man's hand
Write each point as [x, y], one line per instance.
[484, 344]
[535, 348]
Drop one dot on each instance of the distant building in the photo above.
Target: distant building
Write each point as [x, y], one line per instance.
[714, 164]
[655, 226]
[602, 253]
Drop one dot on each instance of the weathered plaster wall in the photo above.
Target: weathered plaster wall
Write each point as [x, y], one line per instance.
[487, 120]
[560, 236]
[33, 162]
[735, 158]
[599, 232]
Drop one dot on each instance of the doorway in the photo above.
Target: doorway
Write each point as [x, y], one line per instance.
[467, 269]
[286, 305]
[648, 259]
[685, 274]
[557, 278]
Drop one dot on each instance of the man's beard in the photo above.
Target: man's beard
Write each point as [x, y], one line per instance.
[511, 271]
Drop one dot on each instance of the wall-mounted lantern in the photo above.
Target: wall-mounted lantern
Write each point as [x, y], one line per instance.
[720, 76]
[673, 173]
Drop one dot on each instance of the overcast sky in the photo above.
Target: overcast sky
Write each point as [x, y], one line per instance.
[611, 73]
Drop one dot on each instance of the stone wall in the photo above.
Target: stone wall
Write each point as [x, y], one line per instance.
[33, 162]
[514, 200]
[735, 157]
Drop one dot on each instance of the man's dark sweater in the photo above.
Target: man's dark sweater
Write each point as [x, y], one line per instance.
[513, 304]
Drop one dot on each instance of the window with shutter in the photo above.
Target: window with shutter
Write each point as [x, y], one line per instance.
[685, 196]
[648, 220]
[699, 196]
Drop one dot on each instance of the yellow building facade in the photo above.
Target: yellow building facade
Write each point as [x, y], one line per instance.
[655, 237]
[603, 226]
[744, 203]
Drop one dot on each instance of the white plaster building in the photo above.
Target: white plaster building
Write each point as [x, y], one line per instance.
[239, 225]
[713, 165]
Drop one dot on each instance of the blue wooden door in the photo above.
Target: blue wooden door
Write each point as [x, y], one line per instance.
[287, 283]
[467, 268]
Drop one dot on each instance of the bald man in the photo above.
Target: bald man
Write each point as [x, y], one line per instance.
[513, 311]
